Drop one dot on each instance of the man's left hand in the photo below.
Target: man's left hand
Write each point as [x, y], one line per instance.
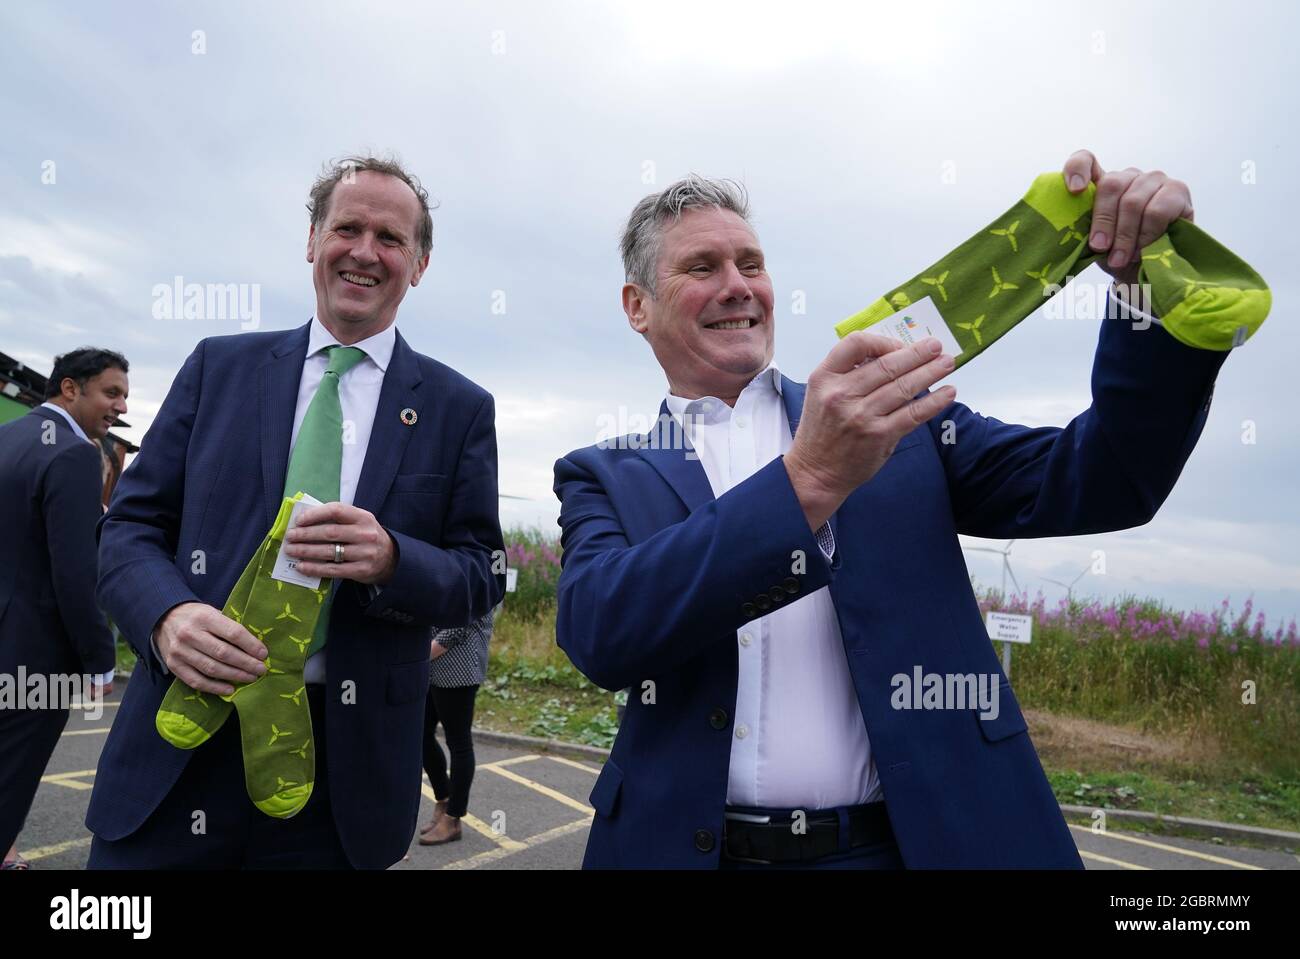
[369, 554]
[1131, 210]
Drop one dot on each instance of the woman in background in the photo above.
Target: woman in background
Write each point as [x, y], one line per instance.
[457, 667]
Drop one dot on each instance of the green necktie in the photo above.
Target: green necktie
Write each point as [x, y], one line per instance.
[317, 459]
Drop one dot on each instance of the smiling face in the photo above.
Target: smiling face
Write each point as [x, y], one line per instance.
[97, 406]
[710, 322]
[365, 255]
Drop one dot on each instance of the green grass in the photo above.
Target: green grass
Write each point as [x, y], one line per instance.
[1171, 688]
[1274, 804]
[533, 689]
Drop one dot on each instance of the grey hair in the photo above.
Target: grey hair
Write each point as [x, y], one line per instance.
[643, 235]
[336, 170]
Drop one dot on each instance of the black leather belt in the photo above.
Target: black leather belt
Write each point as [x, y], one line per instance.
[779, 841]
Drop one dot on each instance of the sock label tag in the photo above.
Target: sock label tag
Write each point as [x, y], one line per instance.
[286, 568]
[914, 323]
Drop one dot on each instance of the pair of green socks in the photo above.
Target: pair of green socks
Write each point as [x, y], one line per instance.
[274, 715]
[1203, 294]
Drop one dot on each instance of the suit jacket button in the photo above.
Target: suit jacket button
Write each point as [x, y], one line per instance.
[791, 585]
[777, 594]
[703, 840]
[718, 718]
[749, 609]
[762, 602]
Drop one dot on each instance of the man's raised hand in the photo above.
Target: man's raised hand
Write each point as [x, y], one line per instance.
[858, 406]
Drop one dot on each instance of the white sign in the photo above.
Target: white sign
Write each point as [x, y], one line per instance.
[512, 580]
[1009, 627]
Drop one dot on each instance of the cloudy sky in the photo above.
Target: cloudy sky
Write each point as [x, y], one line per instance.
[148, 141]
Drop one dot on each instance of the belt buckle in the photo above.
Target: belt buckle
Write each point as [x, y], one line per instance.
[749, 818]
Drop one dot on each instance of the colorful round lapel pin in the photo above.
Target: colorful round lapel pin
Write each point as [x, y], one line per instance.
[408, 416]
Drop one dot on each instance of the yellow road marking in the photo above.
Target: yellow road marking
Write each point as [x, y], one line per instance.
[1174, 849]
[493, 855]
[70, 779]
[1113, 862]
[544, 790]
[511, 761]
[45, 852]
[479, 826]
[594, 770]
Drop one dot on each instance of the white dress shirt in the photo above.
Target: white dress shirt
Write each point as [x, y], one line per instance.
[358, 397]
[798, 740]
[101, 679]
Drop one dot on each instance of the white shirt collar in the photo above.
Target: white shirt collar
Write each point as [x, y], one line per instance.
[76, 428]
[378, 347]
[710, 409]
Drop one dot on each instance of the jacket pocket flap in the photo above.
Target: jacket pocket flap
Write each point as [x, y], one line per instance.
[604, 795]
[418, 482]
[1008, 722]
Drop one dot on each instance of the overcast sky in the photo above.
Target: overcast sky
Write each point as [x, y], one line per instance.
[147, 141]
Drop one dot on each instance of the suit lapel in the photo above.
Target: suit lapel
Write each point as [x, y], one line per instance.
[684, 474]
[278, 382]
[389, 434]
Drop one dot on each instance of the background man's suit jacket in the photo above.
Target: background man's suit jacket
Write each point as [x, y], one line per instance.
[51, 481]
[200, 497]
[658, 576]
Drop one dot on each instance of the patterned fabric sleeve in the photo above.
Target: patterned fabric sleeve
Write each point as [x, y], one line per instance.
[465, 661]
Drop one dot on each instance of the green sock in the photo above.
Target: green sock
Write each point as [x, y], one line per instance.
[274, 715]
[1203, 294]
[186, 716]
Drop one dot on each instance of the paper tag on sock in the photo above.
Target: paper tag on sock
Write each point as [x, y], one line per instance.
[914, 323]
[286, 567]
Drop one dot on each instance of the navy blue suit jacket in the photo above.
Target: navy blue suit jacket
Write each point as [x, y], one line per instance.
[51, 481]
[199, 498]
[658, 576]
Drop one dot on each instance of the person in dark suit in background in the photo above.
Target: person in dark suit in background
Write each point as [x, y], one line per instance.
[51, 479]
[411, 542]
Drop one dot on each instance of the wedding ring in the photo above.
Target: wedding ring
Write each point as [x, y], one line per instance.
[338, 553]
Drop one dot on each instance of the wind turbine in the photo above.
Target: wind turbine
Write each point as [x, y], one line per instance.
[1069, 587]
[1005, 553]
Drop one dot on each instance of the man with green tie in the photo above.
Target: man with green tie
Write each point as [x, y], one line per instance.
[206, 581]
